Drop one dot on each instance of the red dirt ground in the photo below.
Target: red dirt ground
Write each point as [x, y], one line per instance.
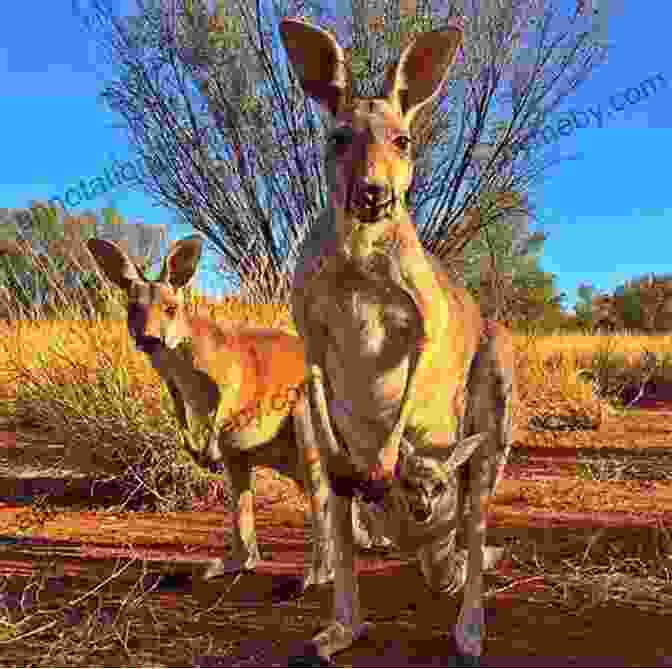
[553, 517]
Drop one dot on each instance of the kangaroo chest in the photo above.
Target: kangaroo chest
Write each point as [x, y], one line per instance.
[371, 331]
[373, 323]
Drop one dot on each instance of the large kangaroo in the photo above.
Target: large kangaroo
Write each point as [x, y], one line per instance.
[397, 354]
[238, 396]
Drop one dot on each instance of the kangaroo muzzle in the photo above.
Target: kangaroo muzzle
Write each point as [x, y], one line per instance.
[148, 345]
[373, 202]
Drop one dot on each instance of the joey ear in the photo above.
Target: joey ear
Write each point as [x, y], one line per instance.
[114, 262]
[465, 449]
[318, 60]
[416, 78]
[462, 451]
[181, 262]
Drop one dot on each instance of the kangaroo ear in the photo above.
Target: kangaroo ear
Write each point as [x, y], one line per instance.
[181, 262]
[114, 262]
[416, 78]
[461, 452]
[319, 62]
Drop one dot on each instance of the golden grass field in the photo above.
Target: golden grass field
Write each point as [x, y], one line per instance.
[85, 380]
[56, 353]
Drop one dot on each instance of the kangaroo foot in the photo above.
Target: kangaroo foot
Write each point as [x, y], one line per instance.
[456, 657]
[335, 638]
[468, 636]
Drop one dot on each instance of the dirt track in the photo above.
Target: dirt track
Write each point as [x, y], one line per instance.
[587, 580]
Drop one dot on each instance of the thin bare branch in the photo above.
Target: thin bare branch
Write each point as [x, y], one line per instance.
[231, 144]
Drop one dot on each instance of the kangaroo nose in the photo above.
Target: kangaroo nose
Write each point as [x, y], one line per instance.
[374, 192]
[147, 344]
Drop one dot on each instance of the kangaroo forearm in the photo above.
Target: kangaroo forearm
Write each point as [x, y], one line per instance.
[344, 476]
[326, 438]
[422, 287]
[389, 454]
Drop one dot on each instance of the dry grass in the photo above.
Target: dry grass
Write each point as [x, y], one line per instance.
[84, 380]
[121, 617]
[235, 312]
[119, 621]
[547, 372]
[584, 569]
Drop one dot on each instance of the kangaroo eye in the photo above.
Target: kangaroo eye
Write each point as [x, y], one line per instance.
[402, 143]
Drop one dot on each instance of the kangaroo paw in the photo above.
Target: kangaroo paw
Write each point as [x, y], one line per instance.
[362, 538]
[382, 543]
[317, 577]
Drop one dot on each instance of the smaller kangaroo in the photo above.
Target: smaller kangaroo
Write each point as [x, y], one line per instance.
[238, 396]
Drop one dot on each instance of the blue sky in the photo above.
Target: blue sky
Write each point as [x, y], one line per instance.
[608, 213]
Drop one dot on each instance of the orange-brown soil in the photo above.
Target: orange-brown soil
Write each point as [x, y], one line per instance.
[576, 587]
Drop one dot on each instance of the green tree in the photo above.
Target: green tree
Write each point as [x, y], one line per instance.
[628, 303]
[501, 266]
[45, 267]
[645, 302]
[27, 270]
[584, 305]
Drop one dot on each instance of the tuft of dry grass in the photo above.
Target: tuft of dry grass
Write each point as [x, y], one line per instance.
[587, 569]
[116, 622]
